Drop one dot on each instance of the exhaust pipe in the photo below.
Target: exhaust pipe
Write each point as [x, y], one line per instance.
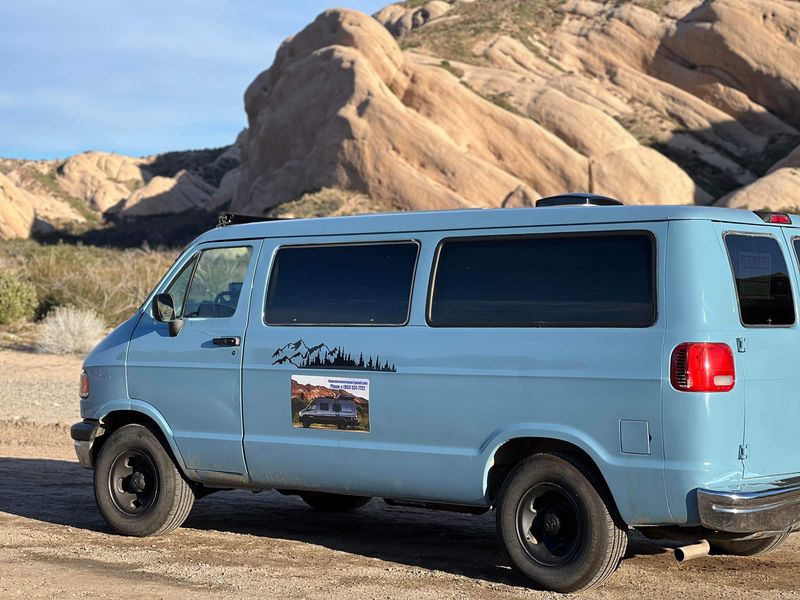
[684, 553]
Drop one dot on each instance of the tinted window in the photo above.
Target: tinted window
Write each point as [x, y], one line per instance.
[365, 284]
[762, 280]
[217, 282]
[588, 280]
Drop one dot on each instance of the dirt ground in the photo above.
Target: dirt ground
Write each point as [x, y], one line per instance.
[53, 542]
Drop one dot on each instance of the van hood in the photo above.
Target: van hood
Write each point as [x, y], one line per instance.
[112, 350]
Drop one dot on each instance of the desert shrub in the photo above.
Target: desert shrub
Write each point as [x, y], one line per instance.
[17, 299]
[111, 282]
[69, 330]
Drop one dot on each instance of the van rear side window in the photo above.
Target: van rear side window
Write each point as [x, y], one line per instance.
[572, 280]
[762, 280]
[356, 284]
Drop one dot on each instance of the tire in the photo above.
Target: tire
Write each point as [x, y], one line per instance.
[333, 502]
[748, 547]
[573, 540]
[341, 425]
[137, 486]
[306, 424]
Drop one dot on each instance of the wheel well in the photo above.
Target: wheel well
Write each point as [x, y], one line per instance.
[114, 420]
[514, 451]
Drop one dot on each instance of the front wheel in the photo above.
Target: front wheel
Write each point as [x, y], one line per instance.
[137, 486]
[333, 502]
[748, 547]
[557, 526]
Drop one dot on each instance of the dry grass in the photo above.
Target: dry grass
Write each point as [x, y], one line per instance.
[112, 283]
[68, 330]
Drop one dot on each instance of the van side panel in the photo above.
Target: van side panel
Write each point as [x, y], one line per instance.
[702, 431]
[457, 395]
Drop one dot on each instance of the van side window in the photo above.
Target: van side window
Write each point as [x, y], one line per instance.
[180, 285]
[357, 284]
[797, 248]
[217, 282]
[571, 280]
[762, 280]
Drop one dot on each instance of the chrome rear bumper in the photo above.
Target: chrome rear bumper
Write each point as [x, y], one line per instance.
[775, 509]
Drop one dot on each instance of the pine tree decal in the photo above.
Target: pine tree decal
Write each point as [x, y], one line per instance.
[322, 356]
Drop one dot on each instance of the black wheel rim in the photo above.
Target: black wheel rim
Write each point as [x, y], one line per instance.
[550, 524]
[133, 482]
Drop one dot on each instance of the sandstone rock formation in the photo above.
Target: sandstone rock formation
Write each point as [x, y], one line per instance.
[472, 103]
[16, 210]
[166, 196]
[341, 107]
[776, 191]
[101, 179]
[400, 19]
[685, 80]
[85, 189]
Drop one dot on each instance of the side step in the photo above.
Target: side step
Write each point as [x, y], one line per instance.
[470, 510]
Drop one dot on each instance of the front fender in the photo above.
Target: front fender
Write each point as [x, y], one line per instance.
[166, 430]
[143, 408]
[636, 483]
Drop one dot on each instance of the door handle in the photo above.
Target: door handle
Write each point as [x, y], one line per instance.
[227, 341]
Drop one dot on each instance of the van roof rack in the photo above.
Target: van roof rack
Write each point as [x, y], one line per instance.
[226, 219]
[577, 199]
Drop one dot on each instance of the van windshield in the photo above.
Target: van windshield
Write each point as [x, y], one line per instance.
[762, 280]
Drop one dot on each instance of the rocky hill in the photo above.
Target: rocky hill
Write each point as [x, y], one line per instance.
[476, 103]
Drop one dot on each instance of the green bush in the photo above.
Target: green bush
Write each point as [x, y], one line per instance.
[17, 299]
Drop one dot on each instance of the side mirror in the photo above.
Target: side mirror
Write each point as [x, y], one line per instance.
[164, 312]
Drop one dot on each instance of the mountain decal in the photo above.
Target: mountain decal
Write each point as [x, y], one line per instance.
[322, 356]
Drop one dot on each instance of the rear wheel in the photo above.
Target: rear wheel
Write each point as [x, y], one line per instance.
[557, 527]
[748, 547]
[138, 488]
[333, 502]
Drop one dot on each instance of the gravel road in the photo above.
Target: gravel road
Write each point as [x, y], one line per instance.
[39, 387]
[239, 544]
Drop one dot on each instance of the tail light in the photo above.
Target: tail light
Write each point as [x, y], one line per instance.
[774, 218]
[702, 367]
[84, 388]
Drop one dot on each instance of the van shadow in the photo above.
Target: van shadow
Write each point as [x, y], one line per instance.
[60, 492]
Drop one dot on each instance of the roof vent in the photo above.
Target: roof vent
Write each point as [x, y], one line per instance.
[577, 199]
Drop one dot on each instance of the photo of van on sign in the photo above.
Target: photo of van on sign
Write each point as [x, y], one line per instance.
[330, 403]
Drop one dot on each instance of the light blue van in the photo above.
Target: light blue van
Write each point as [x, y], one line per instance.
[581, 370]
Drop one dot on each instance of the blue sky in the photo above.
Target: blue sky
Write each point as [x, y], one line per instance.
[136, 77]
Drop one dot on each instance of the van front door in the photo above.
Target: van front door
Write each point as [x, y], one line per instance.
[194, 379]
